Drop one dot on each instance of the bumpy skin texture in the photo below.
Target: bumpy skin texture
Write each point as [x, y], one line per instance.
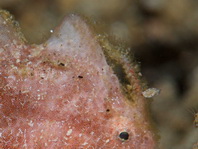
[63, 94]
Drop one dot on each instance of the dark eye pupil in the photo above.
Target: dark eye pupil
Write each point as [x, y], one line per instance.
[124, 136]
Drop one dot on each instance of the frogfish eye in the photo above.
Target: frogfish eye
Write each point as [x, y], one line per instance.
[124, 136]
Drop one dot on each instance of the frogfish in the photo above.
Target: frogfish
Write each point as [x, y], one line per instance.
[74, 91]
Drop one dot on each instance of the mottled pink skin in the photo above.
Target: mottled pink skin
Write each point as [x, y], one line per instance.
[56, 95]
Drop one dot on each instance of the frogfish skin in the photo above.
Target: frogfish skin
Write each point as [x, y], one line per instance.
[63, 94]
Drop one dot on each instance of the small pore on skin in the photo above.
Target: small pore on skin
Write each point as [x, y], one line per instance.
[61, 64]
[107, 110]
[80, 77]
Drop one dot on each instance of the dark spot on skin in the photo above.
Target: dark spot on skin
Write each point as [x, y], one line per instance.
[80, 77]
[61, 64]
[124, 136]
[16, 23]
[42, 78]
[108, 110]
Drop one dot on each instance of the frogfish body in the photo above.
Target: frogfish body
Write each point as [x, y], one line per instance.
[63, 94]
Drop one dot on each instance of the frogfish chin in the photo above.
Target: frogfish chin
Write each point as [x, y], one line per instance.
[63, 94]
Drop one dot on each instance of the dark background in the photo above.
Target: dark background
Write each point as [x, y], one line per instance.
[163, 35]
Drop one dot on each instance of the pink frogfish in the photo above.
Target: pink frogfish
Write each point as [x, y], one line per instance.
[63, 94]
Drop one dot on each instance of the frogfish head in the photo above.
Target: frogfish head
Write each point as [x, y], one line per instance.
[64, 94]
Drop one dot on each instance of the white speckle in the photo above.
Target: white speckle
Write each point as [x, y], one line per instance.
[25, 145]
[12, 77]
[54, 140]
[51, 31]
[151, 92]
[31, 124]
[107, 140]
[24, 91]
[69, 132]
[76, 105]
[41, 82]
[85, 143]
[0, 135]
[80, 135]
[29, 63]
[90, 100]
[46, 144]
[18, 61]
[16, 54]
[92, 133]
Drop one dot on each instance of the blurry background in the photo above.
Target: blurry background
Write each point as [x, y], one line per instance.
[163, 35]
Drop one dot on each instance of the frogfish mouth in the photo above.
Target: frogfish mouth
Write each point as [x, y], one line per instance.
[74, 91]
